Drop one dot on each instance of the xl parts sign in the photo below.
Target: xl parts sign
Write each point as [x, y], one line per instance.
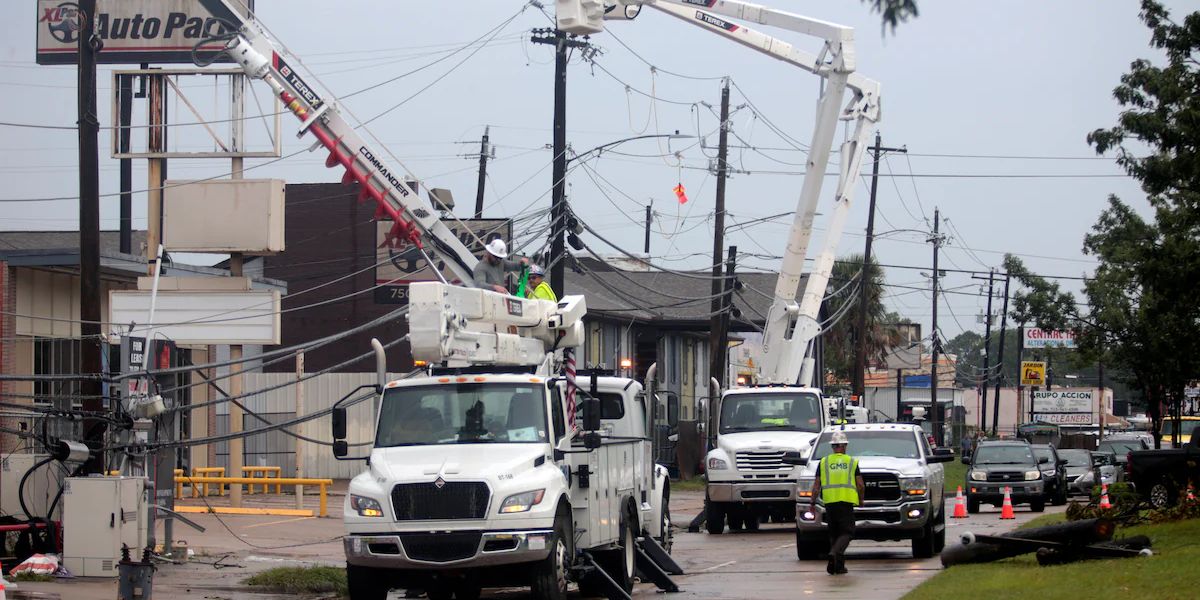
[129, 31]
[1043, 338]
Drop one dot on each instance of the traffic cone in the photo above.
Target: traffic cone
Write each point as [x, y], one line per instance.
[1191, 497]
[1006, 511]
[960, 506]
[1104, 503]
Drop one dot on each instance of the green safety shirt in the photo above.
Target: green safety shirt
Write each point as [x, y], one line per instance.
[837, 473]
[543, 291]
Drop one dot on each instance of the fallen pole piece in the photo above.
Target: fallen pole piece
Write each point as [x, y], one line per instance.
[988, 548]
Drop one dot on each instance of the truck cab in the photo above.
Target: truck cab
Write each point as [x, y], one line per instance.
[747, 478]
[477, 481]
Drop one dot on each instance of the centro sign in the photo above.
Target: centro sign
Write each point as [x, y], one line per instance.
[131, 31]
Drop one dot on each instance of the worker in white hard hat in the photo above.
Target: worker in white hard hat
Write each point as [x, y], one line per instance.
[490, 271]
[538, 289]
[839, 484]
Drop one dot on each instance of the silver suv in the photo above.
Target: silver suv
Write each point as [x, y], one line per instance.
[904, 489]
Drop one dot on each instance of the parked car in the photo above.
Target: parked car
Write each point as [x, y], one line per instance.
[1122, 444]
[1110, 473]
[1158, 475]
[999, 464]
[1054, 473]
[1079, 465]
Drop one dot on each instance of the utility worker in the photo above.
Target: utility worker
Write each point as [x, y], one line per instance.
[538, 289]
[489, 272]
[839, 485]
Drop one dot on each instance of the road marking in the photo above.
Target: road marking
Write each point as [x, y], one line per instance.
[724, 564]
[278, 522]
[783, 546]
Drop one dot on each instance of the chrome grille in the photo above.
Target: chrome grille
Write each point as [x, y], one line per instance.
[761, 460]
[881, 486]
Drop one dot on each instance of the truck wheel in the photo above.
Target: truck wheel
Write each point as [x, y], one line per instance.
[365, 583]
[1161, 496]
[1061, 497]
[972, 506]
[666, 536]
[734, 513]
[715, 519]
[1038, 505]
[439, 591]
[750, 518]
[623, 561]
[939, 538]
[810, 548]
[923, 547]
[550, 574]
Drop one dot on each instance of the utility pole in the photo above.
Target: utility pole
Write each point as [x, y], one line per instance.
[718, 366]
[987, 351]
[485, 150]
[558, 203]
[236, 445]
[935, 416]
[125, 95]
[89, 235]
[860, 346]
[1000, 374]
[649, 219]
[717, 335]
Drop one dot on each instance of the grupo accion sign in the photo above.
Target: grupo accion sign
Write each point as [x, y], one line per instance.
[131, 31]
[1043, 338]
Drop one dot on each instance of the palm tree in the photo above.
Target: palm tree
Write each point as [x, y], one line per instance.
[840, 337]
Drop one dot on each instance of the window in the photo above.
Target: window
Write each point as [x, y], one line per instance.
[1004, 455]
[462, 414]
[56, 356]
[897, 444]
[768, 411]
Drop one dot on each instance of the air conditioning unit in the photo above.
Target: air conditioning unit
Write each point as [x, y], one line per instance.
[40, 487]
[100, 515]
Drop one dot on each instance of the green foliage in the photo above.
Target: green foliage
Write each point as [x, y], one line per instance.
[840, 338]
[1185, 509]
[32, 577]
[1124, 499]
[295, 580]
[894, 11]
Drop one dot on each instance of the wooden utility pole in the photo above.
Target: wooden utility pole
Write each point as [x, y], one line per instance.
[935, 416]
[860, 347]
[89, 234]
[484, 150]
[1000, 373]
[717, 340]
[719, 356]
[987, 351]
[649, 220]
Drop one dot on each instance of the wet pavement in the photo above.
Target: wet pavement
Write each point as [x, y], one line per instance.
[760, 565]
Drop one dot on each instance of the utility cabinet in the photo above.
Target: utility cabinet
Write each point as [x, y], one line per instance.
[100, 515]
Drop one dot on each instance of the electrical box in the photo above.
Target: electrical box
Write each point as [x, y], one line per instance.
[100, 515]
[40, 487]
[581, 17]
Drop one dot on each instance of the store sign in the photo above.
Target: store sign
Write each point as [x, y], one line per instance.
[1063, 401]
[1043, 338]
[129, 31]
[1064, 418]
[1033, 372]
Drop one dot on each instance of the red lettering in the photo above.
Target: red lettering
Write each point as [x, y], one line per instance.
[50, 14]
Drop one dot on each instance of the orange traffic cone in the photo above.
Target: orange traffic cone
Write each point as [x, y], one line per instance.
[1191, 495]
[960, 506]
[1006, 511]
[1104, 503]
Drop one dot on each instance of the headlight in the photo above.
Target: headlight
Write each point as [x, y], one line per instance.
[522, 502]
[716, 464]
[365, 507]
[1033, 475]
[914, 486]
[979, 475]
[804, 488]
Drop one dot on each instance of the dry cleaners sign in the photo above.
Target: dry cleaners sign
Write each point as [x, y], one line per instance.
[130, 31]
[1064, 407]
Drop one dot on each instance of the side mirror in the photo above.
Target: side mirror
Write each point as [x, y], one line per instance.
[937, 457]
[340, 448]
[966, 460]
[1043, 460]
[591, 414]
[943, 452]
[591, 440]
[794, 458]
[338, 421]
[1062, 462]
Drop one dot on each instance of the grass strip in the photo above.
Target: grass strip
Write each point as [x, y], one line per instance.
[295, 580]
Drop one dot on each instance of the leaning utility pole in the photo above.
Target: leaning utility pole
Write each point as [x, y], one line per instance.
[649, 219]
[935, 417]
[558, 202]
[860, 346]
[717, 335]
[987, 351]
[719, 355]
[484, 150]
[1000, 372]
[89, 236]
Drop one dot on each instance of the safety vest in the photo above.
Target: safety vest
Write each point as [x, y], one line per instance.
[837, 479]
[543, 292]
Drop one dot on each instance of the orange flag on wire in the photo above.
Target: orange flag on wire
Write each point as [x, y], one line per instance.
[681, 193]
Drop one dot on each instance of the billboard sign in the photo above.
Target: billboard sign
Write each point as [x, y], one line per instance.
[201, 317]
[131, 31]
[1064, 418]
[1043, 338]
[1063, 401]
[1033, 372]
[399, 263]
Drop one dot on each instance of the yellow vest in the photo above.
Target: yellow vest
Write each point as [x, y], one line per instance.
[837, 479]
[543, 292]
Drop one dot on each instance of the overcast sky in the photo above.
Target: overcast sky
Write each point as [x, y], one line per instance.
[992, 99]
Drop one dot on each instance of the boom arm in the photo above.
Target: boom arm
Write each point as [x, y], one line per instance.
[414, 220]
[791, 327]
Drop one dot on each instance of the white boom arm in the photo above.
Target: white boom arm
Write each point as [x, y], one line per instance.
[791, 327]
[414, 220]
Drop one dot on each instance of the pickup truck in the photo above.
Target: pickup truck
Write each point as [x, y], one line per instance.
[904, 489]
[1159, 475]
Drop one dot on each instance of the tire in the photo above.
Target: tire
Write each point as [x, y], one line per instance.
[622, 563]
[439, 591]
[1061, 497]
[715, 518]
[972, 506]
[666, 537]
[550, 575]
[925, 545]
[750, 519]
[810, 548]
[1038, 505]
[365, 583]
[735, 513]
[1160, 495]
[939, 538]
[465, 590]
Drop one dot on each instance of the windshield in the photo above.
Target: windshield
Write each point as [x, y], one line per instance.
[1185, 427]
[1077, 458]
[1122, 447]
[1004, 455]
[1104, 458]
[1044, 452]
[786, 411]
[898, 444]
[462, 414]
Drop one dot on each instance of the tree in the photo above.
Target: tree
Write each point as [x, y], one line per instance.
[894, 12]
[1141, 311]
[841, 336]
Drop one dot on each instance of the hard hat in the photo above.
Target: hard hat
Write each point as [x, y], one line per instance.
[838, 439]
[497, 248]
[536, 270]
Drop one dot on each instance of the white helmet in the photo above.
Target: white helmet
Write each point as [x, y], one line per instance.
[838, 439]
[497, 248]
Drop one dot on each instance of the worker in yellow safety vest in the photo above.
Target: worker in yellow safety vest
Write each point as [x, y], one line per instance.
[839, 485]
[538, 288]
